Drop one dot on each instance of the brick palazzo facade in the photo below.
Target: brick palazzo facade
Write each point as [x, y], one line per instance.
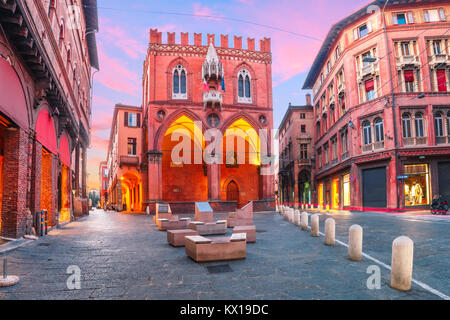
[45, 106]
[183, 89]
[382, 107]
[296, 149]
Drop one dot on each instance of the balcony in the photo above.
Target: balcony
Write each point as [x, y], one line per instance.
[439, 60]
[341, 89]
[304, 162]
[129, 161]
[413, 141]
[372, 146]
[404, 61]
[442, 140]
[370, 69]
[212, 98]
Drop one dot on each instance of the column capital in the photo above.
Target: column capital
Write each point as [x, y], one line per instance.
[154, 156]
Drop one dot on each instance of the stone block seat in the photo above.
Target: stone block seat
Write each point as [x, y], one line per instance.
[250, 231]
[173, 224]
[201, 249]
[209, 228]
[176, 237]
[242, 217]
[163, 211]
[203, 212]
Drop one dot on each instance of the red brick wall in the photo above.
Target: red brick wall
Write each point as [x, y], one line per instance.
[15, 183]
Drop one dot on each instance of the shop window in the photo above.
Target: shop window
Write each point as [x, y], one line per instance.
[416, 185]
[346, 190]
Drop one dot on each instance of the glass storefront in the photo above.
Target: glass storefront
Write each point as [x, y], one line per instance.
[320, 191]
[346, 190]
[335, 193]
[416, 185]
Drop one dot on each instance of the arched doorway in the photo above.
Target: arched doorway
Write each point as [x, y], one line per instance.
[241, 159]
[232, 191]
[304, 187]
[184, 174]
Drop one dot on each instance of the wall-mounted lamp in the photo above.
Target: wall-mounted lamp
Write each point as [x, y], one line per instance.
[351, 125]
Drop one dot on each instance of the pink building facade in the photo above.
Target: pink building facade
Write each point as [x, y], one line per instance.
[382, 107]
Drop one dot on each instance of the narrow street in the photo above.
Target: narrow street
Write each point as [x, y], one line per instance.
[124, 256]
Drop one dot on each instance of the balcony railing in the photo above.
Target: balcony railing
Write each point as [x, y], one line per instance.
[341, 89]
[129, 160]
[304, 162]
[410, 60]
[412, 141]
[442, 140]
[439, 60]
[372, 146]
[369, 69]
[213, 98]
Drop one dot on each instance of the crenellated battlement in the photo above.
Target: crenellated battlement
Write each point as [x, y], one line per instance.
[264, 44]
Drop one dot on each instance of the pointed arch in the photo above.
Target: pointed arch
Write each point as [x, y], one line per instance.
[186, 82]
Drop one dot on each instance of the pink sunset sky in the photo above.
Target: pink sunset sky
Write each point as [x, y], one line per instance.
[124, 32]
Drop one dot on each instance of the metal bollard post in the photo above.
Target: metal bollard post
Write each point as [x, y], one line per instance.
[46, 221]
[402, 263]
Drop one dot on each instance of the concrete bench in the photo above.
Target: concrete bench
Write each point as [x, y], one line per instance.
[163, 211]
[176, 224]
[242, 217]
[203, 212]
[250, 231]
[209, 228]
[176, 237]
[201, 249]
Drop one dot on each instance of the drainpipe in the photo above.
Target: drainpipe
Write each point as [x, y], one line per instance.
[393, 105]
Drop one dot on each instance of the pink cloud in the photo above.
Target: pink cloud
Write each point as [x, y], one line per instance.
[115, 35]
[116, 76]
[204, 11]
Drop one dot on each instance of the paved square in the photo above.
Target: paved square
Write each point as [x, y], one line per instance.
[124, 256]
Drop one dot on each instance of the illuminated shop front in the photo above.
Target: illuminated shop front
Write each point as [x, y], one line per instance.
[417, 185]
[320, 194]
[346, 190]
[335, 193]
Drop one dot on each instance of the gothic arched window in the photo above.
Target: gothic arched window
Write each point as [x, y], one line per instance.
[244, 87]
[179, 77]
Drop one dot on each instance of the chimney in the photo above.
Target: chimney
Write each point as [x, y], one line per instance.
[308, 99]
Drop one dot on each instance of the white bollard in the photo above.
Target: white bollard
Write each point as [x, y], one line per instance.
[291, 215]
[355, 239]
[315, 225]
[297, 218]
[330, 230]
[402, 263]
[304, 221]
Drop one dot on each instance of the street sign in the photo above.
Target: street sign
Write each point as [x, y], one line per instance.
[402, 177]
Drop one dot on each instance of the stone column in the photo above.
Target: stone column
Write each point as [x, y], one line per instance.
[84, 173]
[77, 170]
[154, 175]
[35, 189]
[214, 182]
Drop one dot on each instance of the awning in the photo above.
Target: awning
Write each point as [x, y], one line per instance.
[45, 131]
[64, 151]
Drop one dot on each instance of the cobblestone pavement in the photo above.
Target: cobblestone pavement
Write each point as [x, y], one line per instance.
[126, 257]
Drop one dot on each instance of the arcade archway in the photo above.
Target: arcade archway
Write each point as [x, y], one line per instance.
[184, 174]
[131, 192]
[241, 160]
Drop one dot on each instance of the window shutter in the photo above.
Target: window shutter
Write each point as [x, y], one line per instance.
[369, 27]
[410, 17]
[442, 14]
[355, 34]
[426, 16]
[125, 120]
[138, 120]
[394, 18]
